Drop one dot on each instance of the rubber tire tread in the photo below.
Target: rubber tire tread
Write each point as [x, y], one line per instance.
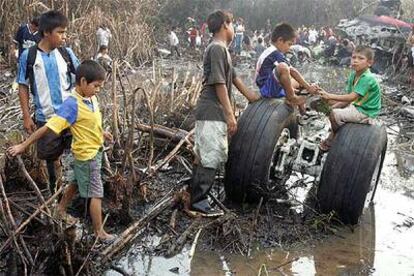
[348, 170]
[251, 149]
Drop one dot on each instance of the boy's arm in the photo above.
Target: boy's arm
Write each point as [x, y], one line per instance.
[312, 88]
[348, 98]
[223, 96]
[28, 123]
[18, 149]
[250, 95]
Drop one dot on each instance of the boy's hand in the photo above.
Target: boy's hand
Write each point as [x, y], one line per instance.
[324, 95]
[296, 100]
[313, 88]
[29, 125]
[108, 137]
[231, 124]
[16, 150]
[255, 97]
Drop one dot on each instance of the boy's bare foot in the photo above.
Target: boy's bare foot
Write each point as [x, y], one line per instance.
[105, 237]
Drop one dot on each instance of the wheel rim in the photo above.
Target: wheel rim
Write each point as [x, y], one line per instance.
[272, 179]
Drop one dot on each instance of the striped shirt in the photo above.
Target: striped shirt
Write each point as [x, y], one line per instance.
[51, 81]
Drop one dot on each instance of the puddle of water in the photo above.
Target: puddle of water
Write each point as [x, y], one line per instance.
[380, 245]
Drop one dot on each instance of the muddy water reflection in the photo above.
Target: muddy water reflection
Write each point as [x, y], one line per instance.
[381, 245]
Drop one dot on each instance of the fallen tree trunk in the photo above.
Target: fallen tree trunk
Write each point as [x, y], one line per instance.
[175, 135]
[134, 230]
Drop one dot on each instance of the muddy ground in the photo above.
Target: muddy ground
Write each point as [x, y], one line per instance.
[270, 238]
[281, 240]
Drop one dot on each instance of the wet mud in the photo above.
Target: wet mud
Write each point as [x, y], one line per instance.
[379, 245]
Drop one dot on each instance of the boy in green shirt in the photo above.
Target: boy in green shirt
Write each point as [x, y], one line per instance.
[362, 103]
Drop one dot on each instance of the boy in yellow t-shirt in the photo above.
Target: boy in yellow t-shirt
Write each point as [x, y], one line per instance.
[80, 112]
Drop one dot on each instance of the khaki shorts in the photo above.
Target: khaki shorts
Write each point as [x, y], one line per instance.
[350, 114]
[211, 143]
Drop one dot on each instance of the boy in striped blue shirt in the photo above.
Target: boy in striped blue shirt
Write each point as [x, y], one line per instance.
[46, 70]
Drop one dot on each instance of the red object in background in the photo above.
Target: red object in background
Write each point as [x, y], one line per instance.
[395, 22]
[193, 32]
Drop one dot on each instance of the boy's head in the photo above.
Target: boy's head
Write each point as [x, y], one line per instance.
[221, 22]
[34, 23]
[89, 78]
[103, 49]
[362, 58]
[52, 27]
[260, 40]
[283, 36]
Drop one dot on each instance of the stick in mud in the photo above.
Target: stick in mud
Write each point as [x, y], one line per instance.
[29, 219]
[13, 223]
[130, 233]
[32, 182]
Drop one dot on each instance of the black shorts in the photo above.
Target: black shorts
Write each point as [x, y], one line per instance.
[410, 59]
[51, 146]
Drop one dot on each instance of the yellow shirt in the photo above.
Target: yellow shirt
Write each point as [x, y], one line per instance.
[83, 117]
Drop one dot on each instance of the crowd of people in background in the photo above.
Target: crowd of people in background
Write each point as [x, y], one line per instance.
[312, 43]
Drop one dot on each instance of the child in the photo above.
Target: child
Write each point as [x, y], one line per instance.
[80, 113]
[27, 35]
[214, 114]
[104, 59]
[259, 49]
[274, 76]
[46, 70]
[362, 103]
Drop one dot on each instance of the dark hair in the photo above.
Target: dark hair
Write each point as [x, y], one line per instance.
[35, 21]
[345, 42]
[91, 71]
[284, 31]
[51, 20]
[365, 51]
[216, 19]
[260, 40]
[103, 47]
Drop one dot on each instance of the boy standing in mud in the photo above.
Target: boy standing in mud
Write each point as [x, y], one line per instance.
[46, 71]
[80, 113]
[362, 102]
[274, 76]
[214, 114]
